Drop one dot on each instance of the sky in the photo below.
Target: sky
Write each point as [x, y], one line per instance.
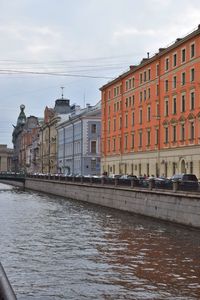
[79, 45]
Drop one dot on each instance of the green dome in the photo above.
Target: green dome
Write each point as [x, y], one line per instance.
[22, 117]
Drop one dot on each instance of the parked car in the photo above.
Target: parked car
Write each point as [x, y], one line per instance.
[163, 182]
[186, 181]
[126, 180]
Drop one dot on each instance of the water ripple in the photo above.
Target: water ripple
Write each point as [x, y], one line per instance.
[54, 248]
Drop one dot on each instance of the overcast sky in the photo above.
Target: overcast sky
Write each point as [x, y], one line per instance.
[80, 45]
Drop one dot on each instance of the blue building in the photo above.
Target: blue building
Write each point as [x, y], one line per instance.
[79, 141]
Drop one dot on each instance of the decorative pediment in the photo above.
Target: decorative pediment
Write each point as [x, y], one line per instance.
[173, 121]
[191, 117]
[198, 115]
[182, 119]
[165, 123]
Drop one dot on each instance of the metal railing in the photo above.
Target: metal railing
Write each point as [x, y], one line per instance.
[6, 290]
[151, 184]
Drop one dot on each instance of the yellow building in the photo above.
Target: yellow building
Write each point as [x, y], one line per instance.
[6, 156]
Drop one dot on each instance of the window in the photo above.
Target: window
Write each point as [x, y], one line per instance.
[120, 122]
[129, 83]
[133, 100]
[166, 135]
[126, 103]
[140, 96]
[126, 142]
[132, 141]
[157, 136]
[157, 110]
[149, 74]
[192, 101]
[148, 113]
[174, 82]
[93, 165]
[108, 126]
[145, 94]
[166, 85]
[174, 167]
[140, 139]
[93, 128]
[149, 93]
[119, 143]
[157, 70]
[114, 124]
[174, 134]
[108, 145]
[182, 132]
[126, 120]
[192, 130]
[174, 60]
[129, 99]
[183, 103]
[148, 169]
[191, 167]
[145, 76]
[174, 106]
[133, 118]
[133, 82]
[140, 116]
[166, 107]
[192, 74]
[183, 56]
[93, 147]
[183, 78]
[140, 78]
[192, 51]
[148, 138]
[126, 85]
[157, 90]
[166, 64]
[114, 144]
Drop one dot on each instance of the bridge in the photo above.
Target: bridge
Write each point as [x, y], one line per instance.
[12, 176]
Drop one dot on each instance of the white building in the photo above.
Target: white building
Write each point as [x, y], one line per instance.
[79, 136]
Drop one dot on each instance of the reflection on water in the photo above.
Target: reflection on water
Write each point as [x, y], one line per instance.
[53, 248]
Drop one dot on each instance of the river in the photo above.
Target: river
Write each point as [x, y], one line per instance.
[56, 248]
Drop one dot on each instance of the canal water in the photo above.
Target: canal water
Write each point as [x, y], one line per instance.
[56, 248]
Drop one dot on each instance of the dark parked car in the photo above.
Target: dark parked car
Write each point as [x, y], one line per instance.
[163, 182]
[126, 180]
[186, 181]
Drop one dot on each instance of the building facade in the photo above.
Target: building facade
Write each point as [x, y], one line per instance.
[48, 135]
[151, 114]
[28, 134]
[16, 139]
[79, 142]
[6, 159]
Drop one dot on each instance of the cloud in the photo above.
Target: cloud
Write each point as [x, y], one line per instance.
[128, 32]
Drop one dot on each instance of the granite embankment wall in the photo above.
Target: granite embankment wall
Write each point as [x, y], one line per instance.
[182, 208]
[13, 182]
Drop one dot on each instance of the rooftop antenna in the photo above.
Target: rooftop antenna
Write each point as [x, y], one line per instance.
[62, 87]
[84, 100]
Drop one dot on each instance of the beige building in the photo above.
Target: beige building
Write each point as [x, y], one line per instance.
[48, 136]
[6, 155]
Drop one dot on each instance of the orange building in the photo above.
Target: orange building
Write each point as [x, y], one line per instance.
[151, 114]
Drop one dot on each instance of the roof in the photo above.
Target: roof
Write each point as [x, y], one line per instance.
[146, 61]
